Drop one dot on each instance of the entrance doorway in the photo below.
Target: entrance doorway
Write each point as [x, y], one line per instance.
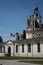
[9, 51]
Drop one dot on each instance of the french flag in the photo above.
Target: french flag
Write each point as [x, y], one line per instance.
[12, 34]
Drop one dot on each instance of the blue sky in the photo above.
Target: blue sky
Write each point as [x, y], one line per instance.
[13, 15]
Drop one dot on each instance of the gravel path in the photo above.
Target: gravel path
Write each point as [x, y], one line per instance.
[14, 62]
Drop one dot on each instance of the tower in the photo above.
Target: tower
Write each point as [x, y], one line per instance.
[37, 18]
[34, 22]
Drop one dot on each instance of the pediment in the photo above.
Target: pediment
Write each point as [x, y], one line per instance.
[9, 42]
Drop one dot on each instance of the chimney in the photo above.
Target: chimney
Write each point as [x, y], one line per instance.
[17, 36]
[24, 34]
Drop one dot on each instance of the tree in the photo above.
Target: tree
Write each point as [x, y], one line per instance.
[1, 40]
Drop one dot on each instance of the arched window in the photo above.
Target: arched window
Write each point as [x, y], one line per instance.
[9, 51]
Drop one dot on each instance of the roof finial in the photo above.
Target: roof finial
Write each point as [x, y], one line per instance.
[36, 8]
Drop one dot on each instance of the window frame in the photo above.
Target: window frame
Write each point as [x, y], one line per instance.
[22, 48]
[16, 48]
[38, 47]
[29, 48]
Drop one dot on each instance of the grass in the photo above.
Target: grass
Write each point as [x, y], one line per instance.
[17, 58]
[34, 60]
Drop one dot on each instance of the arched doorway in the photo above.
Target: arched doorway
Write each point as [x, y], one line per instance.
[9, 51]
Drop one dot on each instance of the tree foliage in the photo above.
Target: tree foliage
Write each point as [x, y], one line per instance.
[1, 40]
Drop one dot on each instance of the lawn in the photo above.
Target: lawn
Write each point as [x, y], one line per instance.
[17, 58]
[33, 60]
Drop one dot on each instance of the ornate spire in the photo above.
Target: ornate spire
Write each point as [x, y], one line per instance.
[36, 11]
[36, 8]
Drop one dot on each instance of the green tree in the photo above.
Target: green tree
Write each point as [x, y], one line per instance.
[1, 40]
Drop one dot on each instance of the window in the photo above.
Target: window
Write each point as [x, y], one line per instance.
[38, 47]
[3, 49]
[16, 48]
[29, 47]
[0, 49]
[22, 47]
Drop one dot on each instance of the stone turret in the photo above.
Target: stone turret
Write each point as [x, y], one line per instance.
[35, 20]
